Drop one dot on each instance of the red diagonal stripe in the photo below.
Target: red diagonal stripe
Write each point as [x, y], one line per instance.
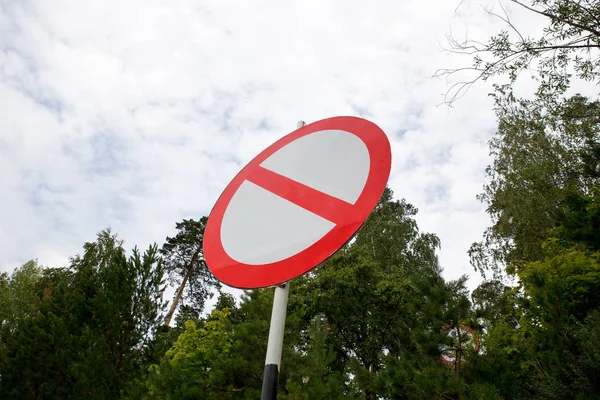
[326, 206]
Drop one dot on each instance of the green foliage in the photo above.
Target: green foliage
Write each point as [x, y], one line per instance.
[18, 293]
[543, 199]
[581, 222]
[384, 303]
[220, 357]
[536, 349]
[88, 328]
[191, 367]
[542, 195]
[566, 285]
[314, 377]
[567, 46]
[540, 164]
[493, 302]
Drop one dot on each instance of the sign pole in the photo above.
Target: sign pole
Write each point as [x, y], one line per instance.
[275, 341]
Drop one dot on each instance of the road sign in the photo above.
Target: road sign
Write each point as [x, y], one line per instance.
[463, 336]
[297, 202]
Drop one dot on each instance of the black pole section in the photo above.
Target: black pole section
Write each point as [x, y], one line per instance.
[270, 378]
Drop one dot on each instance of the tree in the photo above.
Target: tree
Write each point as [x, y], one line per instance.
[391, 236]
[540, 157]
[91, 327]
[23, 296]
[384, 302]
[569, 43]
[37, 348]
[314, 375]
[560, 300]
[581, 222]
[122, 305]
[538, 335]
[493, 302]
[18, 293]
[195, 357]
[542, 197]
[218, 357]
[184, 262]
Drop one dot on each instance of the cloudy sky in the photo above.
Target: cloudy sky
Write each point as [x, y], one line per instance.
[136, 114]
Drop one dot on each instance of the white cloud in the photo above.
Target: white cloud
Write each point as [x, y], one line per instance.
[136, 114]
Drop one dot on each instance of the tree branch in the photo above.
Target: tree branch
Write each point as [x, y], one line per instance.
[554, 17]
[506, 19]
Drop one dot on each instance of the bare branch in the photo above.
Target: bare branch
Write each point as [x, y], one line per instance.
[506, 19]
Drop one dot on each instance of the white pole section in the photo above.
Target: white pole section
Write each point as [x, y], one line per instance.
[277, 327]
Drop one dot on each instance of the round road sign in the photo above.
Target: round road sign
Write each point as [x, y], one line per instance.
[297, 202]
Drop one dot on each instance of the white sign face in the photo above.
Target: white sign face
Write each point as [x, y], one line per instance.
[260, 227]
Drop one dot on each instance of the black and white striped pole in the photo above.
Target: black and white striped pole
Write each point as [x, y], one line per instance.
[275, 341]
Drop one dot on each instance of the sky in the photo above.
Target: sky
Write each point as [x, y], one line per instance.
[136, 114]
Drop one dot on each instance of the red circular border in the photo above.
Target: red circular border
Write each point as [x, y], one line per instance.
[245, 276]
[464, 328]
